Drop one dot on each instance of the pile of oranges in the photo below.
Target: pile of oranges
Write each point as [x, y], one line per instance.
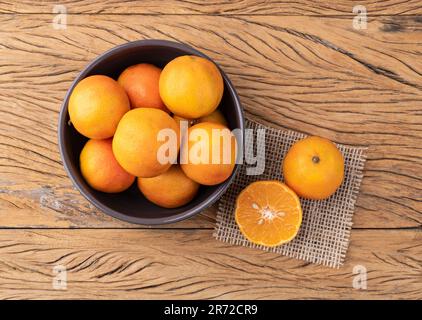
[134, 130]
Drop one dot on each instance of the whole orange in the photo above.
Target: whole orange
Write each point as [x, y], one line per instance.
[171, 189]
[209, 154]
[216, 116]
[140, 82]
[100, 168]
[191, 86]
[96, 105]
[314, 168]
[137, 143]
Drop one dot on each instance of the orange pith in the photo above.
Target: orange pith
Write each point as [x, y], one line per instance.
[268, 213]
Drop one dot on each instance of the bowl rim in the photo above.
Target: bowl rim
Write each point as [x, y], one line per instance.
[85, 191]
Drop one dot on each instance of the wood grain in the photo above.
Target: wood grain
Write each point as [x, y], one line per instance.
[219, 7]
[316, 75]
[113, 264]
[296, 65]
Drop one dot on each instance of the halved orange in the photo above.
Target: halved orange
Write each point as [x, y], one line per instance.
[268, 213]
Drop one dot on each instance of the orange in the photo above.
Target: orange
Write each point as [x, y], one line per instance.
[208, 158]
[96, 105]
[171, 189]
[216, 116]
[314, 168]
[136, 143]
[191, 86]
[100, 168]
[141, 85]
[268, 213]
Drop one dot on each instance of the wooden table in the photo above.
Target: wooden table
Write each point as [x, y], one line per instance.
[297, 65]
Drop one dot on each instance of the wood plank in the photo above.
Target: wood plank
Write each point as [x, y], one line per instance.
[170, 264]
[219, 7]
[315, 75]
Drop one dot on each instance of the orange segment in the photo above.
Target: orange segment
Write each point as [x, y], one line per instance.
[268, 213]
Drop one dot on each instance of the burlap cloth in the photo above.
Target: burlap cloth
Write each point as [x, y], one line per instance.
[324, 235]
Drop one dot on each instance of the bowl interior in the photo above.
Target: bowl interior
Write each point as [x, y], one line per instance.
[131, 205]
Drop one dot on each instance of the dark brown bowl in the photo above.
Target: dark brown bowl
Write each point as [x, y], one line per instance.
[131, 205]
